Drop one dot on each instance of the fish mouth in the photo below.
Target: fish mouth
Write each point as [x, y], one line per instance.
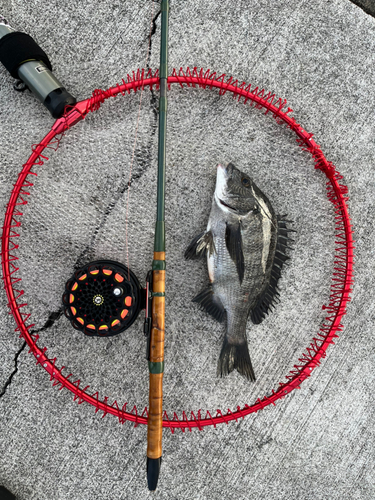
[227, 171]
[227, 206]
[222, 178]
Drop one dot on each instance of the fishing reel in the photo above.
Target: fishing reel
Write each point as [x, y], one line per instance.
[104, 298]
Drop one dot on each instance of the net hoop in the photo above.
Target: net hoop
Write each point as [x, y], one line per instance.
[342, 278]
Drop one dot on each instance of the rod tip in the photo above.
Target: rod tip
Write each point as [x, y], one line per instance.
[153, 469]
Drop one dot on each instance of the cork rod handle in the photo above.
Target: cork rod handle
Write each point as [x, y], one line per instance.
[156, 366]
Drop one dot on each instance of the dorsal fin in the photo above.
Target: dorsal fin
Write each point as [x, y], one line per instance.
[270, 295]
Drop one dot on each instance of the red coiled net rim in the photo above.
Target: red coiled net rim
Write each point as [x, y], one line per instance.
[342, 279]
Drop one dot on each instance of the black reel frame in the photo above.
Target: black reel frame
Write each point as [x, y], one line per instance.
[103, 298]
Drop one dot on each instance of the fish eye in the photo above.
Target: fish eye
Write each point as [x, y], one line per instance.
[245, 181]
[255, 209]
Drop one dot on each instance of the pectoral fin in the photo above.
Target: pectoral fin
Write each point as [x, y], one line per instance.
[200, 245]
[233, 241]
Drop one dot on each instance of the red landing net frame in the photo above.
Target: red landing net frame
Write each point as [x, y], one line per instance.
[342, 279]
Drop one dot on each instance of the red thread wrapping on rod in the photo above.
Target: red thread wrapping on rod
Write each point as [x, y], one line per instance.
[342, 279]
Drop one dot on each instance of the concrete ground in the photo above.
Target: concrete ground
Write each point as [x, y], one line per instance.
[318, 443]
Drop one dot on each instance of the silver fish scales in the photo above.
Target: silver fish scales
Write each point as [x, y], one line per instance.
[245, 244]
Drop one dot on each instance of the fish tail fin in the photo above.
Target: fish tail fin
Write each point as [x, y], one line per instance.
[235, 357]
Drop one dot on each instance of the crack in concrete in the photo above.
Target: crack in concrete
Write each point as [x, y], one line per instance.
[10, 378]
[52, 318]
[365, 6]
[154, 99]
[153, 31]
[88, 252]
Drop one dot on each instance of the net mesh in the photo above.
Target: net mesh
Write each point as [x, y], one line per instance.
[324, 243]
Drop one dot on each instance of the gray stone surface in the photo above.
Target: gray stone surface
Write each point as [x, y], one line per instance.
[318, 442]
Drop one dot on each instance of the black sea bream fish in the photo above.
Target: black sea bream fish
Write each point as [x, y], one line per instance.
[245, 245]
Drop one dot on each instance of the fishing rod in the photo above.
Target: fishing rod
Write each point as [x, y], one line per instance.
[156, 337]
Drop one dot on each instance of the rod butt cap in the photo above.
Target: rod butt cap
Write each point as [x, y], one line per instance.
[153, 469]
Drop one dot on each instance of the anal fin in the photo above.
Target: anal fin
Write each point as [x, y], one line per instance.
[210, 303]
